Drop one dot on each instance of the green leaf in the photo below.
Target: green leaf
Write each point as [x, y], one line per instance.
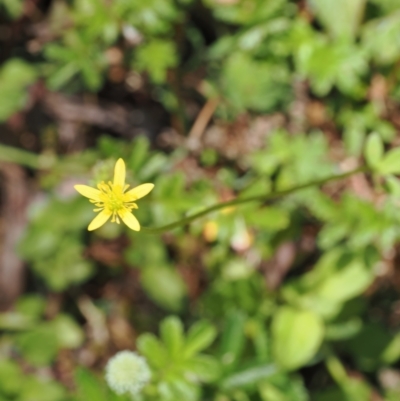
[330, 394]
[327, 64]
[164, 285]
[33, 389]
[166, 391]
[390, 164]
[374, 150]
[343, 330]
[237, 268]
[15, 321]
[10, 377]
[254, 84]
[62, 75]
[154, 165]
[39, 345]
[154, 351]
[368, 354]
[249, 376]
[357, 390]
[204, 367]
[391, 354]
[31, 305]
[156, 57]
[284, 387]
[69, 334]
[88, 386]
[15, 76]
[172, 335]
[260, 338]
[139, 153]
[346, 282]
[296, 336]
[392, 184]
[341, 17]
[379, 37]
[233, 338]
[269, 218]
[183, 390]
[269, 392]
[199, 337]
[13, 7]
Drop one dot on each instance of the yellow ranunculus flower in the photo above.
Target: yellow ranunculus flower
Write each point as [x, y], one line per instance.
[112, 199]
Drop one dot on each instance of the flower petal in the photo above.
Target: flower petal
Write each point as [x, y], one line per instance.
[130, 220]
[139, 191]
[99, 220]
[119, 173]
[88, 192]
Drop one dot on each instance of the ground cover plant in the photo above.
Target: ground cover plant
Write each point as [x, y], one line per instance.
[262, 262]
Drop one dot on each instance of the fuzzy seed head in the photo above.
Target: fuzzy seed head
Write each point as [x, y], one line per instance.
[127, 372]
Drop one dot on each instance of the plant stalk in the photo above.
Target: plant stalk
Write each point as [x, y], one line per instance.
[257, 198]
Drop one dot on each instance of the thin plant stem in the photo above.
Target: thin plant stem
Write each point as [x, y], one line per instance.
[19, 156]
[25, 158]
[336, 370]
[257, 198]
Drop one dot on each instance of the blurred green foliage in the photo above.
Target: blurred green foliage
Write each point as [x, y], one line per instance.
[291, 300]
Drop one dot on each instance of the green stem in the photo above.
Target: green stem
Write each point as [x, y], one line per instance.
[19, 156]
[24, 158]
[257, 198]
[338, 373]
[336, 370]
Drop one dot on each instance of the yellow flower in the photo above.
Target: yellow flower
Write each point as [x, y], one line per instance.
[112, 199]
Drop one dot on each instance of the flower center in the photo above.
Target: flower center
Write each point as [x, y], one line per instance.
[111, 197]
[113, 201]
